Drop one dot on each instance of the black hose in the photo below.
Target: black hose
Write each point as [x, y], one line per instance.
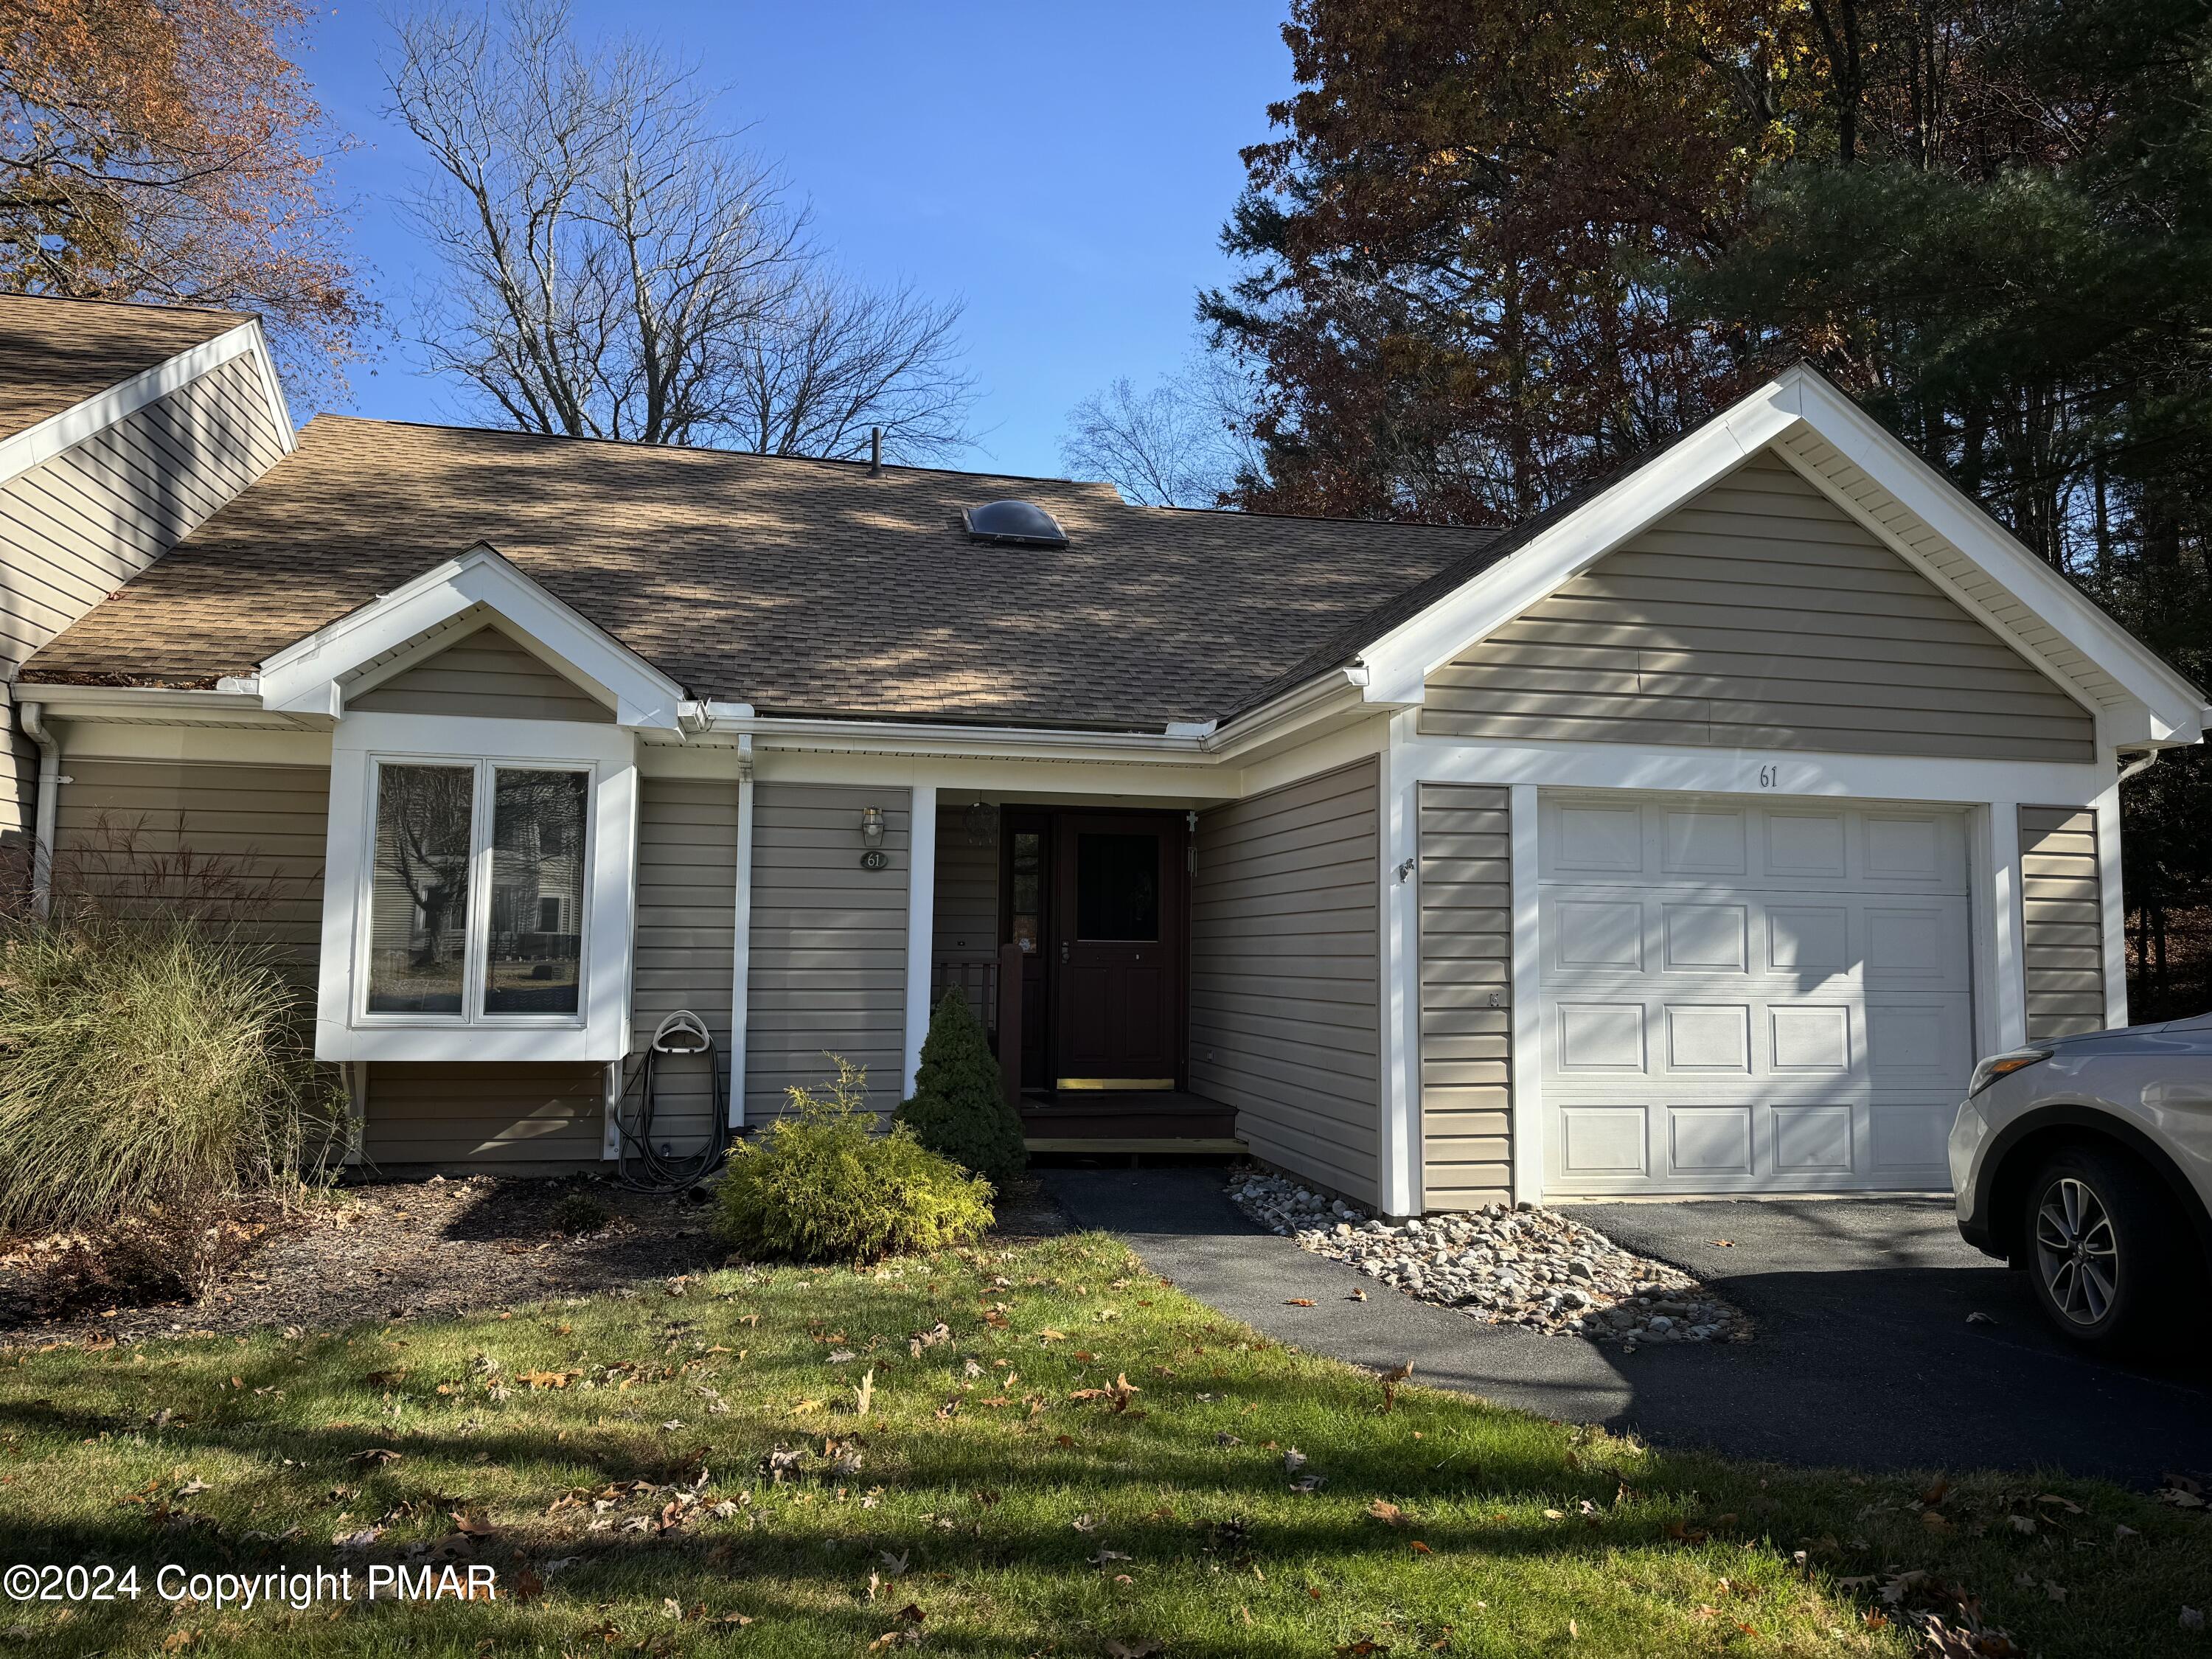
[640, 1166]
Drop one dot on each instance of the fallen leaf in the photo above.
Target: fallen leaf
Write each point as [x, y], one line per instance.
[1979, 1318]
[1389, 1513]
[1419, 1549]
[1300, 1302]
[2192, 1619]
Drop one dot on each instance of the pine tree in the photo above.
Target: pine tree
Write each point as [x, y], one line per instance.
[959, 1106]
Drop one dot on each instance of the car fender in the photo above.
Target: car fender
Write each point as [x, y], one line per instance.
[1989, 1226]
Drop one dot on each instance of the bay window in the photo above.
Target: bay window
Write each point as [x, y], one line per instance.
[476, 901]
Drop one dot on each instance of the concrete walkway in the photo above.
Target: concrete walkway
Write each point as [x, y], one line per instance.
[1863, 1356]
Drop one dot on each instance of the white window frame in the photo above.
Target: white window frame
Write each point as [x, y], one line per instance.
[600, 1031]
[476, 949]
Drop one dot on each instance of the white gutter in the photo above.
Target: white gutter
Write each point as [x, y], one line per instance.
[31, 719]
[1182, 744]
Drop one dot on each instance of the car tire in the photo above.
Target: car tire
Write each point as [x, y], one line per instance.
[2106, 1249]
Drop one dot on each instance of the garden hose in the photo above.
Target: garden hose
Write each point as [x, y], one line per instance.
[641, 1166]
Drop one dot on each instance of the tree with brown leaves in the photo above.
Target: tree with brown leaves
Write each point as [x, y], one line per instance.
[170, 150]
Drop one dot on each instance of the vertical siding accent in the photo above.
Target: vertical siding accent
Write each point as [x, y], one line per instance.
[1759, 615]
[471, 1113]
[122, 825]
[81, 524]
[829, 942]
[964, 909]
[486, 673]
[1285, 974]
[1467, 961]
[687, 863]
[2062, 914]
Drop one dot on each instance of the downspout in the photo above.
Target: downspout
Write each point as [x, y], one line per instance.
[741, 935]
[30, 717]
[2141, 764]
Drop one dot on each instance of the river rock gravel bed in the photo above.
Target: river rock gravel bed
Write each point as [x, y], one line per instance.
[1504, 1265]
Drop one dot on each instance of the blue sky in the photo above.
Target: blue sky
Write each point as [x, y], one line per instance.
[1064, 169]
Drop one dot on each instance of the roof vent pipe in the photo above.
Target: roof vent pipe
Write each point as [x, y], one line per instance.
[875, 449]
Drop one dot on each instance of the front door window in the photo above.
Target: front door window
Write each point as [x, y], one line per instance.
[1117, 887]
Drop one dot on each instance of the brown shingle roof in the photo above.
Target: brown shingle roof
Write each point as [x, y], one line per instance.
[54, 354]
[796, 585]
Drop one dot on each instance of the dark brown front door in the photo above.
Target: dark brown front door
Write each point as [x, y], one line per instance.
[1117, 915]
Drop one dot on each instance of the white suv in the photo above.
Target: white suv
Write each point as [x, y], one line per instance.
[2087, 1161]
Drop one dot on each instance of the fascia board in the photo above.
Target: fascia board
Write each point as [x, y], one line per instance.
[1398, 662]
[2174, 703]
[34, 444]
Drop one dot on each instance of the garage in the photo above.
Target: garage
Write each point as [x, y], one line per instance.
[1751, 996]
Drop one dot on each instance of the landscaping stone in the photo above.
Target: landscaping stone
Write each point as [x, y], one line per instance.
[1504, 1265]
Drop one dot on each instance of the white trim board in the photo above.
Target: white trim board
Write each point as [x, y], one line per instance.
[308, 676]
[21, 451]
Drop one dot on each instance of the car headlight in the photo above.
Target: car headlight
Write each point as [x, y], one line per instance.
[2004, 1065]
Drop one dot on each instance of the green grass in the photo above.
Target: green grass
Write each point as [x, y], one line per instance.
[1027, 1520]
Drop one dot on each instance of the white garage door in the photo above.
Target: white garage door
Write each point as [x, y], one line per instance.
[1739, 997]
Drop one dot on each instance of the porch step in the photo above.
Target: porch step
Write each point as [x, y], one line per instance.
[1166, 1116]
[1140, 1145]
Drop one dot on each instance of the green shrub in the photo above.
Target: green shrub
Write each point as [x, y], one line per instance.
[823, 1186]
[150, 1067]
[579, 1213]
[959, 1106]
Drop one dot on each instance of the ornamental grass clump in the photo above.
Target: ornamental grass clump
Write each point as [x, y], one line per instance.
[821, 1185]
[959, 1106]
[151, 1067]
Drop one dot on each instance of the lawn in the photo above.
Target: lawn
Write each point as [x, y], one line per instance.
[1084, 1462]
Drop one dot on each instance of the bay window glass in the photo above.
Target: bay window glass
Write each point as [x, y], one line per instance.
[533, 958]
[418, 907]
[477, 896]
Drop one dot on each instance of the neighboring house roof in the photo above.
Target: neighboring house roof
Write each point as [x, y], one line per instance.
[54, 354]
[801, 586]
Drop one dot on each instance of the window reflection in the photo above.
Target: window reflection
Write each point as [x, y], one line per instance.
[419, 895]
[532, 956]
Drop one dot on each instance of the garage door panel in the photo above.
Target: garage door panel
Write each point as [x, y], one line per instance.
[1704, 937]
[1744, 997]
[1707, 1039]
[1588, 840]
[1703, 841]
[1805, 846]
[1814, 1139]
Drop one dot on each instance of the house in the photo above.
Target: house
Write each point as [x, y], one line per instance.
[1693, 838]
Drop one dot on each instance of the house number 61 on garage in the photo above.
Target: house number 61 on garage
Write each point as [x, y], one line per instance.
[299, 1589]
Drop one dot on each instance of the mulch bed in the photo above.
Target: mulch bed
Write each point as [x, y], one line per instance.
[429, 1248]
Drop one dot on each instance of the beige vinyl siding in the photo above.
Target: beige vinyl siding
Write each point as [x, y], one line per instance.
[829, 942]
[488, 674]
[477, 1114]
[1285, 974]
[687, 866]
[2062, 934]
[1467, 993]
[19, 783]
[129, 831]
[1760, 616]
[79, 525]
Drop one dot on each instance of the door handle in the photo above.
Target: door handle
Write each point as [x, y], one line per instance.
[1063, 949]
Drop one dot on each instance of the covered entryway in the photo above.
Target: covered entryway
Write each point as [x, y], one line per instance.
[1751, 996]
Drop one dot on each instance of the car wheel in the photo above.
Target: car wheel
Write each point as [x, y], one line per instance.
[2106, 1248]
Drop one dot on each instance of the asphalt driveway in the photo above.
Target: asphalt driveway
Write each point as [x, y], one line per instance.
[1863, 1356]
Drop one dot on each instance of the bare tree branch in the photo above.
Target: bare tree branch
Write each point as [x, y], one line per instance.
[1184, 442]
[619, 267]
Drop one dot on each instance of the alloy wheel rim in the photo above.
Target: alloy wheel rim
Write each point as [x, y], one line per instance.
[2077, 1251]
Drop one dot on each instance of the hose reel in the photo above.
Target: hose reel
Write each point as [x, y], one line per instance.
[645, 1168]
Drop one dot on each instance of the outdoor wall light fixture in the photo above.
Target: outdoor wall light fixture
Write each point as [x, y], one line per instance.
[872, 837]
